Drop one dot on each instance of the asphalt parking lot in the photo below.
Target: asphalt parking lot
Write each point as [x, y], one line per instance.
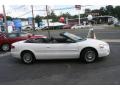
[105, 71]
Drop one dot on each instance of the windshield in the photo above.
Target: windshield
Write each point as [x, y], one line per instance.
[72, 36]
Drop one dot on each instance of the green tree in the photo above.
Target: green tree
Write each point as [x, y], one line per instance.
[75, 16]
[87, 11]
[51, 15]
[110, 10]
[83, 15]
[117, 12]
[67, 14]
[102, 11]
[9, 18]
[38, 19]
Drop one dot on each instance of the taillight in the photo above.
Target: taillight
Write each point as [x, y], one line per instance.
[30, 35]
[12, 47]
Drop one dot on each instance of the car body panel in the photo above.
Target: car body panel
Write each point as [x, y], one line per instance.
[59, 50]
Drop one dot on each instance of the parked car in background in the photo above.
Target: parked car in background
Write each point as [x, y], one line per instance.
[52, 28]
[68, 46]
[117, 24]
[38, 28]
[80, 26]
[27, 27]
[67, 26]
[6, 39]
[77, 26]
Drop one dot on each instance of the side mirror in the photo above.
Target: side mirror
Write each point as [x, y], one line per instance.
[30, 35]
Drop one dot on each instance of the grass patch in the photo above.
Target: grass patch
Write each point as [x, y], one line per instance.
[115, 28]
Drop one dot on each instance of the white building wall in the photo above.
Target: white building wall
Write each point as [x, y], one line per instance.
[24, 23]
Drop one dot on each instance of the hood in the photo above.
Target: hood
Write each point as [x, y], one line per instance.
[95, 41]
[90, 41]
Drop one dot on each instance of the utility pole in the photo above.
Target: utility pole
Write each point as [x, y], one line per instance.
[5, 19]
[79, 16]
[47, 21]
[66, 20]
[33, 19]
[78, 7]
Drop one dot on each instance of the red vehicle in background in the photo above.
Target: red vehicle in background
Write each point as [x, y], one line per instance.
[67, 26]
[6, 39]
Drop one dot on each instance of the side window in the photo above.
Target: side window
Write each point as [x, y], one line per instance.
[38, 40]
[23, 35]
[0, 35]
[12, 35]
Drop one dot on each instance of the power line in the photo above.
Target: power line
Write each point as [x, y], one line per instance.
[57, 9]
[64, 8]
[25, 13]
[20, 7]
[43, 10]
[11, 9]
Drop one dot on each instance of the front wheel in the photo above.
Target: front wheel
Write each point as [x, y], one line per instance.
[27, 58]
[88, 55]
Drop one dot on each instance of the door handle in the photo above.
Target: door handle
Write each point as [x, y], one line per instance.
[48, 47]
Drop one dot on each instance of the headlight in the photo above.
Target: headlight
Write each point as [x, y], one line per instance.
[102, 45]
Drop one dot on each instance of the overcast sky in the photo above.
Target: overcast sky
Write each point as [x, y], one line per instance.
[60, 2]
[19, 8]
[23, 10]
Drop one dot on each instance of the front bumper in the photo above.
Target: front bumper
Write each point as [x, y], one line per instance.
[104, 51]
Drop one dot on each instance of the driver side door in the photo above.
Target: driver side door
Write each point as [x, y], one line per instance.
[62, 50]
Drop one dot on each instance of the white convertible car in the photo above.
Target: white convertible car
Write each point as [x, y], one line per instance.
[67, 46]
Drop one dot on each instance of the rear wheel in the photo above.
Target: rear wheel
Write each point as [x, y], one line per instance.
[27, 57]
[89, 55]
[5, 47]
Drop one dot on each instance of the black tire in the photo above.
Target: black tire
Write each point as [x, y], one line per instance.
[88, 55]
[5, 47]
[27, 57]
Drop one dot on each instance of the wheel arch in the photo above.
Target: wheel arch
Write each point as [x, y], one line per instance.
[27, 51]
[89, 48]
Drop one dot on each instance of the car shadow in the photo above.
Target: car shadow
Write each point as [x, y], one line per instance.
[68, 61]
[60, 61]
[101, 59]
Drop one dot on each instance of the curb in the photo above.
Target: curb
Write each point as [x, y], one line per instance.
[111, 40]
